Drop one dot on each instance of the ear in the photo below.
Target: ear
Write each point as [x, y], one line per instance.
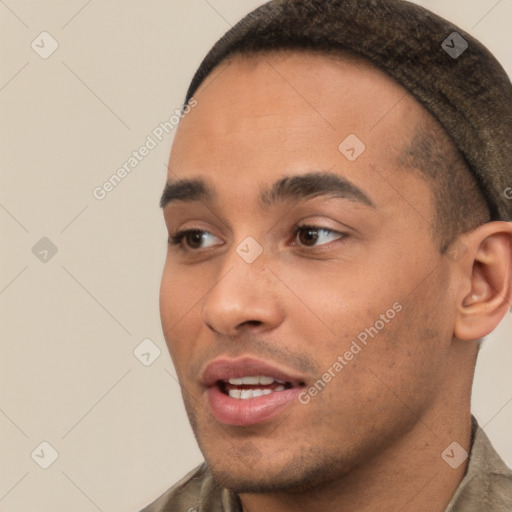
[486, 285]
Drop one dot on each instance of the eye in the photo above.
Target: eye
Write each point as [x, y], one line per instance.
[193, 239]
[309, 235]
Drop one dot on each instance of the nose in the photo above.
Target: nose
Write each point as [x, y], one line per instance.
[244, 296]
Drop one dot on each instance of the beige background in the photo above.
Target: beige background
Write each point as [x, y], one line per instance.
[69, 325]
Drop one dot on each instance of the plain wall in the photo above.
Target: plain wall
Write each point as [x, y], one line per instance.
[70, 324]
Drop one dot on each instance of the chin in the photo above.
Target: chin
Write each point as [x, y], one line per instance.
[300, 472]
[250, 481]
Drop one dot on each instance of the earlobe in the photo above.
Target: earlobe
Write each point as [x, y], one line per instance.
[489, 274]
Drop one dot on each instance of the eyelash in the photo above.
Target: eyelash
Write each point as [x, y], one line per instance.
[176, 239]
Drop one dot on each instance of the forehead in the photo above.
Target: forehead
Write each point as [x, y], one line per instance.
[263, 116]
[285, 90]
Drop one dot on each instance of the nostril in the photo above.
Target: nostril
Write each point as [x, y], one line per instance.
[252, 322]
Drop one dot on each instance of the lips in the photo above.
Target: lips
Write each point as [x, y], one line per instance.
[247, 391]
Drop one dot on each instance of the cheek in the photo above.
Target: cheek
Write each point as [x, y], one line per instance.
[408, 359]
[180, 310]
[389, 326]
[339, 301]
[180, 291]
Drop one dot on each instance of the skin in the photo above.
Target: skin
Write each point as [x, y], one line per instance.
[373, 438]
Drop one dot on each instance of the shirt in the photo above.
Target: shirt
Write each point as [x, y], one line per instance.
[486, 486]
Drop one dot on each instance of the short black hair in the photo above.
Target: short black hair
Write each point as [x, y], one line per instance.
[460, 205]
[465, 194]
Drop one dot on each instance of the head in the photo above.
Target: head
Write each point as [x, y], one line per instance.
[374, 263]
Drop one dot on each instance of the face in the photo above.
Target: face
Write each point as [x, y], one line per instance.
[306, 307]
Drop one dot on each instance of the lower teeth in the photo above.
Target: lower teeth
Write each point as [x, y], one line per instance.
[252, 393]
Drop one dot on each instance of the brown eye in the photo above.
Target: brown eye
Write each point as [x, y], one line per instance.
[193, 239]
[309, 235]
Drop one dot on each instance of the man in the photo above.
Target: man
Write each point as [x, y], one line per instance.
[339, 245]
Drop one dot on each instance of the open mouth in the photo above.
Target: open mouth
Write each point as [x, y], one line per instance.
[252, 386]
[247, 391]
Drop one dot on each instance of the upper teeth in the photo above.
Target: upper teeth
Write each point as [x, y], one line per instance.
[254, 379]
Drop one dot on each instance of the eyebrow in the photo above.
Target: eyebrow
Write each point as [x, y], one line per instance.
[295, 187]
